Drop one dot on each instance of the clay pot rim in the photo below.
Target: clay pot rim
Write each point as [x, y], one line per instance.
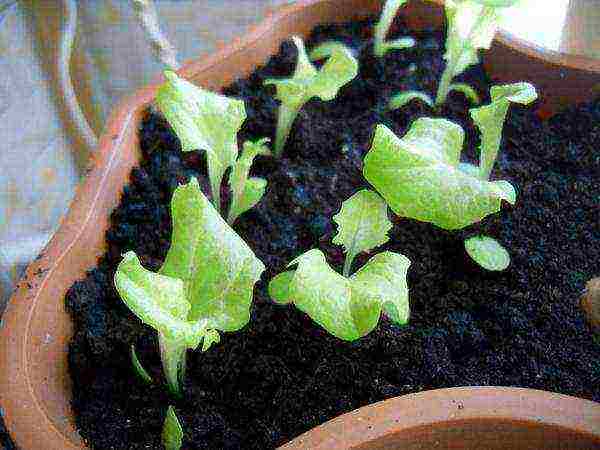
[457, 405]
[17, 319]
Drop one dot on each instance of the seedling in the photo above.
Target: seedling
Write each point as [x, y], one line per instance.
[137, 366]
[487, 252]
[172, 434]
[307, 82]
[208, 121]
[204, 285]
[472, 25]
[349, 306]
[381, 46]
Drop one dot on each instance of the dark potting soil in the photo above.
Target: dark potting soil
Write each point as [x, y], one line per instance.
[282, 375]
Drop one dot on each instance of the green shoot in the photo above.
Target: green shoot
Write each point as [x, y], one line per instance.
[205, 284]
[349, 306]
[487, 252]
[420, 178]
[490, 120]
[382, 28]
[307, 82]
[246, 191]
[172, 434]
[137, 366]
[404, 98]
[472, 25]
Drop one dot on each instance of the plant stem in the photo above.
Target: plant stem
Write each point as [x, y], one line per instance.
[215, 174]
[348, 265]
[445, 82]
[285, 121]
[172, 354]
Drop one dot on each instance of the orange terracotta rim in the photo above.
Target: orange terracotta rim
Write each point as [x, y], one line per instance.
[34, 381]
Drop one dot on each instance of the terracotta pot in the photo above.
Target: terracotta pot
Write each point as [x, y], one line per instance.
[34, 381]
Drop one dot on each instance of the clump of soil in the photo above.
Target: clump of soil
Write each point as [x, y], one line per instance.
[282, 375]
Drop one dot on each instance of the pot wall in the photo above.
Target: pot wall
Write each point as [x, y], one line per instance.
[34, 380]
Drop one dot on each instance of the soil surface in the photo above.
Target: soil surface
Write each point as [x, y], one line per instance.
[282, 375]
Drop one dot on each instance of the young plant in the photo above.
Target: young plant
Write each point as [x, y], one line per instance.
[205, 284]
[472, 25]
[208, 121]
[349, 306]
[172, 434]
[487, 252]
[382, 28]
[307, 82]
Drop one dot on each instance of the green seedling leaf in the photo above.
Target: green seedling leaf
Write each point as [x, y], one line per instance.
[308, 82]
[381, 46]
[210, 338]
[467, 91]
[172, 434]
[246, 192]
[205, 284]
[218, 268]
[490, 120]
[420, 178]
[203, 120]
[363, 224]
[279, 287]
[400, 100]
[472, 25]
[487, 252]
[139, 369]
[348, 308]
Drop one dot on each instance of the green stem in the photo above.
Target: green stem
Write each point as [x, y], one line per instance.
[172, 354]
[445, 82]
[215, 174]
[348, 265]
[285, 121]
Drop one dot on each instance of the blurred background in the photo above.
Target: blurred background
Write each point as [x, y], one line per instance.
[64, 64]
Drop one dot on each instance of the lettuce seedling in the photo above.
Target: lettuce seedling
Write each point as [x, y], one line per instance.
[307, 82]
[172, 433]
[382, 28]
[487, 252]
[246, 191]
[349, 306]
[472, 25]
[420, 178]
[205, 284]
[490, 120]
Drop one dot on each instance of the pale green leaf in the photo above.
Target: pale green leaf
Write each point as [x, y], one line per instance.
[218, 268]
[203, 120]
[467, 91]
[158, 300]
[211, 338]
[172, 433]
[307, 82]
[363, 224]
[348, 308]
[420, 178]
[137, 365]
[490, 120]
[487, 252]
[246, 192]
[402, 99]
[381, 46]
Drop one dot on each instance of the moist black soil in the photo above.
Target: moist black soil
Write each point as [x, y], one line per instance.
[282, 375]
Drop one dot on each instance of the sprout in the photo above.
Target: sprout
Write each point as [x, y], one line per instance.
[390, 9]
[349, 307]
[137, 366]
[490, 120]
[472, 25]
[208, 121]
[307, 82]
[205, 284]
[172, 434]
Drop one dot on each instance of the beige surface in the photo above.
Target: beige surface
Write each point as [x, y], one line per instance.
[40, 161]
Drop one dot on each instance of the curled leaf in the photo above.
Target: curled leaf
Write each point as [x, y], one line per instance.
[404, 98]
[419, 176]
[381, 46]
[490, 120]
[487, 252]
[348, 308]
